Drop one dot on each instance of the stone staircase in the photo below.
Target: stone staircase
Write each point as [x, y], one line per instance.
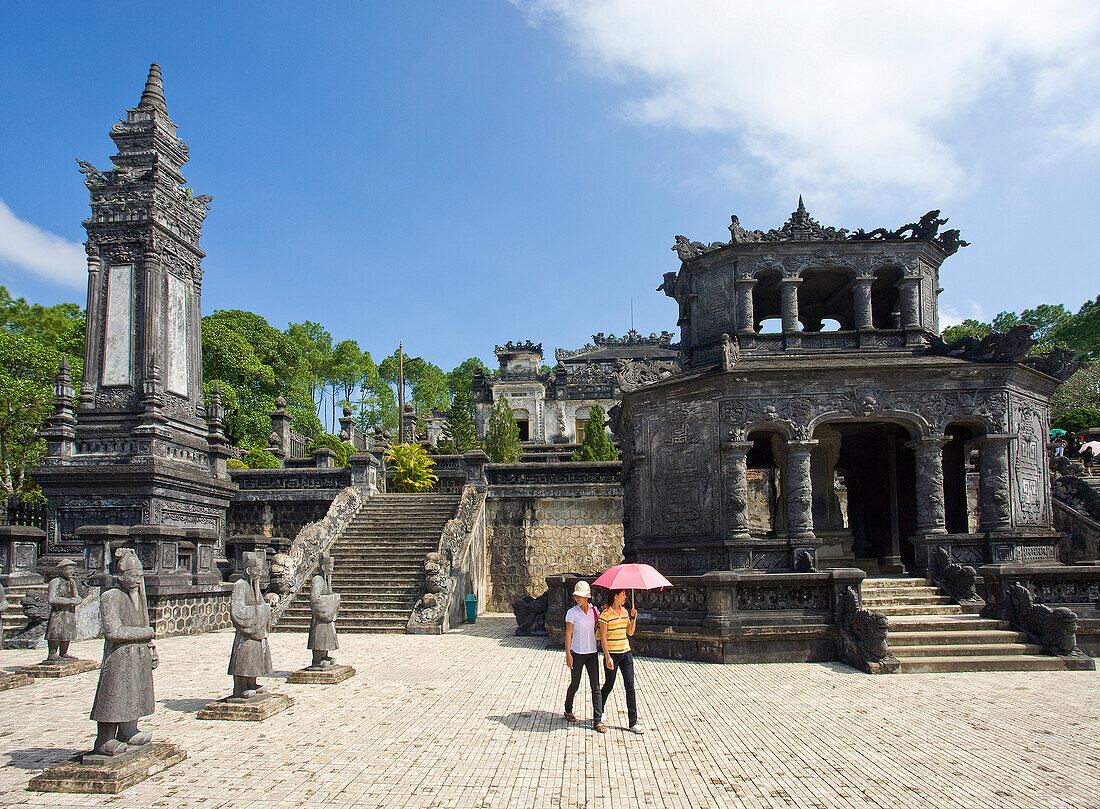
[378, 561]
[928, 633]
[14, 619]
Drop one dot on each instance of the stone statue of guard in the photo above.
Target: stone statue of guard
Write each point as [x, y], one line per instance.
[251, 617]
[63, 596]
[323, 604]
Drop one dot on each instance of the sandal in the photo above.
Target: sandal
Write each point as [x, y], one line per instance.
[601, 727]
[569, 717]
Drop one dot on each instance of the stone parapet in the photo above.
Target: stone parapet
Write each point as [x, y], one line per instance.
[20, 546]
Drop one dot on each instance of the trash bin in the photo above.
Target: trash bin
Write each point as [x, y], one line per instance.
[471, 608]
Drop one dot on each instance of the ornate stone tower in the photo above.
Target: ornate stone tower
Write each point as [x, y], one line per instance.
[135, 448]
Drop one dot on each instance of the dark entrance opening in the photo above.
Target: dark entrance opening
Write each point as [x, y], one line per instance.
[956, 465]
[879, 472]
[524, 429]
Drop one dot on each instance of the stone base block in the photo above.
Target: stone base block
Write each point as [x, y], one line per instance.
[329, 676]
[107, 775]
[253, 709]
[14, 680]
[65, 668]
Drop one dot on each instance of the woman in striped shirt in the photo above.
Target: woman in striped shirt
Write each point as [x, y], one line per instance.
[616, 625]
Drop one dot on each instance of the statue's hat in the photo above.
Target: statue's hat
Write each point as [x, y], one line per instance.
[67, 562]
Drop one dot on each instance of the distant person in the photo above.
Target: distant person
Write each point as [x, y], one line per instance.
[581, 653]
[1088, 453]
[1060, 449]
[616, 625]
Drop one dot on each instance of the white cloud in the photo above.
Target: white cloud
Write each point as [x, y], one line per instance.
[38, 251]
[829, 97]
[950, 315]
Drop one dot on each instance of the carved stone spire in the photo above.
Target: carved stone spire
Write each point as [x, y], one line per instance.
[153, 95]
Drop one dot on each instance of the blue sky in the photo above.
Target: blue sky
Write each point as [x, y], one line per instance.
[455, 175]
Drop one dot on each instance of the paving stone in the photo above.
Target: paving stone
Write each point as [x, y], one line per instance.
[474, 718]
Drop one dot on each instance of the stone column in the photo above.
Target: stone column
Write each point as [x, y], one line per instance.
[993, 482]
[280, 428]
[737, 493]
[743, 290]
[788, 288]
[861, 303]
[931, 518]
[909, 301]
[799, 505]
[91, 332]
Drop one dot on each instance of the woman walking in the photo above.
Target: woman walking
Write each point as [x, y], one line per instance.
[580, 651]
[616, 625]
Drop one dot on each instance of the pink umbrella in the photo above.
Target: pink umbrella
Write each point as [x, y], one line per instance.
[632, 576]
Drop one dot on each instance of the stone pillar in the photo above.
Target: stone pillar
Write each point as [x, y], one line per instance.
[158, 548]
[19, 546]
[909, 302]
[100, 542]
[861, 303]
[364, 472]
[931, 518]
[324, 458]
[788, 288]
[347, 426]
[799, 505]
[61, 432]
[743, 291]
[408, 424]
[735, 461]
[993, 482]
[280, 428]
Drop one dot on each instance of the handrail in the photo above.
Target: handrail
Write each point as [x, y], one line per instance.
[313, 540]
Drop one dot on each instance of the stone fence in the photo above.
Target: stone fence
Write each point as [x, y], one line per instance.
[730, 617]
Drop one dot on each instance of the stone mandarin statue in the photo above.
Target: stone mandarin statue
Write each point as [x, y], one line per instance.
[63, 596]
[125, 690]
[251, 616]
[322, 629]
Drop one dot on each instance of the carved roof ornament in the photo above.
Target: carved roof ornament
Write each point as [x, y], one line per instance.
[801, 227]
[631, 338]
[1010, 346]
[153, 95]
[510, 347]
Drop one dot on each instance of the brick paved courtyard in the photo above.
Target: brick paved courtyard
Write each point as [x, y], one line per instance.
[473, 719]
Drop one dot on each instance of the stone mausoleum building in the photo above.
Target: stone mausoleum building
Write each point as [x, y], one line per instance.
[552, 407]
[848, 432]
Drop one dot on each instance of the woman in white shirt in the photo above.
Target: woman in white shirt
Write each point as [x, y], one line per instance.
[580, 650]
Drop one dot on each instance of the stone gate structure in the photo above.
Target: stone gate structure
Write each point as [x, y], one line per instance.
[866, 430]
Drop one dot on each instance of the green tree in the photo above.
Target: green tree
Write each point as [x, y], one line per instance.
[968, 328]
[461, 377]
[459, 434]
[425, 383]
[343, 449]
[315, 344]
[60, 327]
[27, 373]
[1078, 419]
[343, 372]
[596, 446]
[261, 459]
[1082, 389]
[410, 468]
[1081, 332]
[377, 402]
[502, 435]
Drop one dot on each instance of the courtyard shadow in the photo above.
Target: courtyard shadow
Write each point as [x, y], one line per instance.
[186, 705]
[37, 758]
[537, 721]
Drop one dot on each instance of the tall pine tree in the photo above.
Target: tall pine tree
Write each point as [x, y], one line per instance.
[597, 446]
[502, 436]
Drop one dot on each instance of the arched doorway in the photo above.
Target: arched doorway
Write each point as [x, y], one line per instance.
[960, 480]
[878, 474]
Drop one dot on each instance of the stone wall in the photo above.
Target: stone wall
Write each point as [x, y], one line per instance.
[190, 615]
[280, 502]
[1077, 515]
[539, 531]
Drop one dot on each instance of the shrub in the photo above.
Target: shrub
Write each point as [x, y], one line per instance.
[1078, 419]
[411, 468]
[597, 446]
[261, 459]
[502, 435]
[235, 463]
[343, 449]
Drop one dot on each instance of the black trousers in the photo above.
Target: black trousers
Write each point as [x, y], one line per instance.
[591, 663]
[625, 663]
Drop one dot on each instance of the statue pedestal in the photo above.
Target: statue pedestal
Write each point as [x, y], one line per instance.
[329, 676]
[65, 668]
[253, 709]
[10, 679]
[107, 775]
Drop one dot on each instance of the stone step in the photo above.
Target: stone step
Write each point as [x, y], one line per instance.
[960, 636]
[895, 581]
[1021, 662]
[900, 592]
[878, 602]
[967, 650]
[943, 623]
[920, 609]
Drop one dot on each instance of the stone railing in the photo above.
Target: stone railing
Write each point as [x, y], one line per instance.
[728, 616]
[556, 474]
[290, 573]
[457, 568]
[1050, 603]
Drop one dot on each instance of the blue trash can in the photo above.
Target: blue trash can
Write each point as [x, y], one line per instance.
[471, 608]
